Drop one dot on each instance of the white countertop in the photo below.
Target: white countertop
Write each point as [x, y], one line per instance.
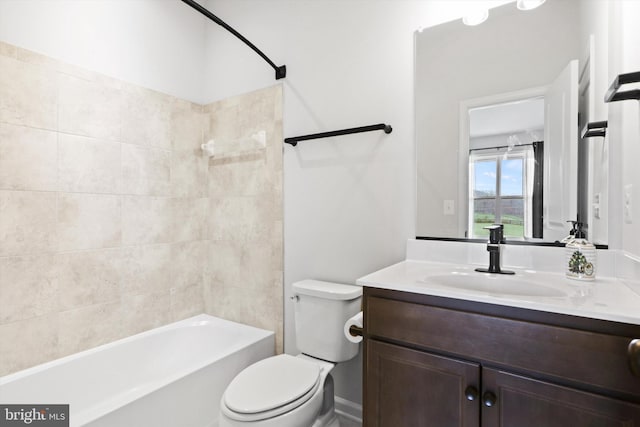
[604, 298]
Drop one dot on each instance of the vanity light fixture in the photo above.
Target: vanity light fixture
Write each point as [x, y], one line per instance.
[528, 4]
[476, 17]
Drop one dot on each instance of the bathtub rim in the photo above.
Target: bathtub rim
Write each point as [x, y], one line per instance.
[190, 321]
[92, 412]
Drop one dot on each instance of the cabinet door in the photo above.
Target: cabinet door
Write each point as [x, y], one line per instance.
[524, 402]
[405, 387]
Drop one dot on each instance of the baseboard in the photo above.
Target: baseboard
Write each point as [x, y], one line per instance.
[348, 409]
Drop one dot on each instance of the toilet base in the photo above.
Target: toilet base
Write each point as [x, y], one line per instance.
[327, 416]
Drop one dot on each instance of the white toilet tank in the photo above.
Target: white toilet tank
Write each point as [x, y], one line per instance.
[321, 310]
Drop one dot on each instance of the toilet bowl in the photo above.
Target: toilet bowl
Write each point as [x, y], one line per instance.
[281, 391]
[297, 391]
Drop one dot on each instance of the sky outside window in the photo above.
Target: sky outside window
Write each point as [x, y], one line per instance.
[511, 177]
[485, 178]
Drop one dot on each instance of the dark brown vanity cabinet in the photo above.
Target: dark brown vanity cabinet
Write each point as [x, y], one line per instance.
[441, 362]
[407, 387]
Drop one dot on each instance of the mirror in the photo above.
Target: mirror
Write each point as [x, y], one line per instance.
[497, 123]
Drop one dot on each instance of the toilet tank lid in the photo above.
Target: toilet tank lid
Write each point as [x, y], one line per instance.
[327, 290]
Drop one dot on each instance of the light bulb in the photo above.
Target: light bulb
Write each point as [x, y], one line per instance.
[529, 4]
[476, 17]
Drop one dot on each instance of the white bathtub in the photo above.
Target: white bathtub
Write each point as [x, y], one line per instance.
[172, 376]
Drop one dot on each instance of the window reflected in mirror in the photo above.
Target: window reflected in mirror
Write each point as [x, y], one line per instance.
[506, 166]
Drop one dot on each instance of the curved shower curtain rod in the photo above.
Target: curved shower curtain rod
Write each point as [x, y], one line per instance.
[281, 71]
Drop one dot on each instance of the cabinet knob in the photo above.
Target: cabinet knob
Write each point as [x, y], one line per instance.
[634, 356]
[471, 393]
[489, 399]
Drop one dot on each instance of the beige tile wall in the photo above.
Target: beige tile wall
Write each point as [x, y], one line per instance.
[243, 281]
[113, 222]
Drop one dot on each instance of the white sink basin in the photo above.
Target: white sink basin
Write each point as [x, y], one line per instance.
[494, 284]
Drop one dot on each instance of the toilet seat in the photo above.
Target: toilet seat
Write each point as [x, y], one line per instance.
[271, 387]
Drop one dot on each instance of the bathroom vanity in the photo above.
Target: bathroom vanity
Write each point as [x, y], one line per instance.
[438, 355]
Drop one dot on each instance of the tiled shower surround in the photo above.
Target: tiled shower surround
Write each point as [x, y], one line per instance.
[113, 221]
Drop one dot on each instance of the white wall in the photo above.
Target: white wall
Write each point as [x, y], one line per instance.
[155, 44]
[348, 201]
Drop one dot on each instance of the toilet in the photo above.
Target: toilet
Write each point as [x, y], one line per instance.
[297, 391]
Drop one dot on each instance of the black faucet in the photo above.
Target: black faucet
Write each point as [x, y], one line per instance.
[496, 238]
